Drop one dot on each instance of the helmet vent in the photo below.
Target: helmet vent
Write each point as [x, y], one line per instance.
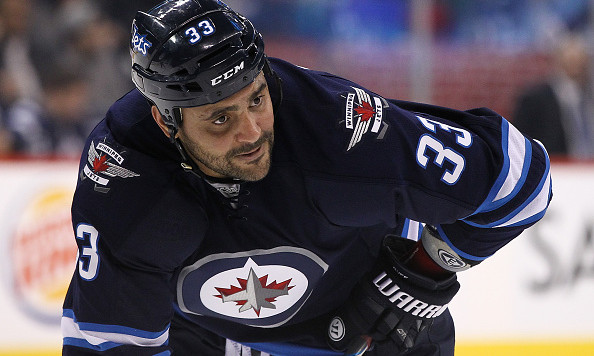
[193, 87]
[175, 87]
[181, 73]
[215, 53]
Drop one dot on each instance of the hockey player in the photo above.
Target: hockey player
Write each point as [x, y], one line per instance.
[235, 204]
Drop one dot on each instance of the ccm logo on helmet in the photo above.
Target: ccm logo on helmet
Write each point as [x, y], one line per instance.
[228, 74]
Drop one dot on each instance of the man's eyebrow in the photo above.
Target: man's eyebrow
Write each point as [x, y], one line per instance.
[225, 109]
[221, 111]
[260, 89]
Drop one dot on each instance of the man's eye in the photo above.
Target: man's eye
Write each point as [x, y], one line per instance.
[258, 100]
[221, 120]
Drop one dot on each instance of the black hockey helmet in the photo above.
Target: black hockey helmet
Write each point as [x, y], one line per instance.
[187, 53]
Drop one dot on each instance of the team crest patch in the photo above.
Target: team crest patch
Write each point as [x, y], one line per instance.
[254, 292]
[103, 164]
[261, 288]
[364, 114]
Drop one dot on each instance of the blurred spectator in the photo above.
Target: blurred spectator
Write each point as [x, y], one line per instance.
[15, 16]
[560, 111]
[56, 85]
[101, 49]
[6, 139]
[66, 112]
[370, 21]
[84, 37]
[20, 89]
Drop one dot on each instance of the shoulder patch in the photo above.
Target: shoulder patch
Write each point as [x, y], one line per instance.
[103, 164]
[363, 112]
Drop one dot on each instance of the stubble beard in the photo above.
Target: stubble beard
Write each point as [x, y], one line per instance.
[226, 165]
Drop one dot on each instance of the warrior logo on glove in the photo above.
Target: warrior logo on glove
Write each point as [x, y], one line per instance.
[394, 305]
[405, 301]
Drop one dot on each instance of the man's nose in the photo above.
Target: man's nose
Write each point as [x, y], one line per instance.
[249, 130]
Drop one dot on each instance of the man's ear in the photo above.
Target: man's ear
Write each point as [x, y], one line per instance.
[159, 120]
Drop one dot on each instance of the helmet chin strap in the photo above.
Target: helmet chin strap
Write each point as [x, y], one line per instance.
[186, 164]
[278, 87]
[173, 128]
[177, 143]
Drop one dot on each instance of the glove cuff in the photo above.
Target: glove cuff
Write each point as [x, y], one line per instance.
[442, 253]
[405, 289]
[395, 253]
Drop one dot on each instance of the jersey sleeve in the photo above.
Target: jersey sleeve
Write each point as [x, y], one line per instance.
[127, 314]
[130, 244]
[504, 176]
[471, 174]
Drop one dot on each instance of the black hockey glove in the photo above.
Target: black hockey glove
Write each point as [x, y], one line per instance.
[391, 304]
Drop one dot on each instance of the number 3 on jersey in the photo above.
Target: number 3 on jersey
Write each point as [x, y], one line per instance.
[88, 259]
[442, 153]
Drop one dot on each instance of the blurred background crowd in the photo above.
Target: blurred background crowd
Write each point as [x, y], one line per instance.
[63, 62]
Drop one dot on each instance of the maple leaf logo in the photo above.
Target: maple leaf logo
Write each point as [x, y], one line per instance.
[365, 110]
[364, 113]
[99, 164]
[254, 293]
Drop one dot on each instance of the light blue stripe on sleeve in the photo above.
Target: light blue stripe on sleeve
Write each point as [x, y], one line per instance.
[532, 209]
[103, 337]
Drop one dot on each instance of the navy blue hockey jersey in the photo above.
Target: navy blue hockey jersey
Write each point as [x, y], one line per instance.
[263, 263]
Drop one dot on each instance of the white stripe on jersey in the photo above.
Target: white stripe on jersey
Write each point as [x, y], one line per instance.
[537, 205]
[516, 150]
[414, 230]
[511, 181]
[233, 348]
[71, 329]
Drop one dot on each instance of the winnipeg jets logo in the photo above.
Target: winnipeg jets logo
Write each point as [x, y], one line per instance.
[254, 293]
[139, 42]
[363, 112]
[261, 288]
[101, 165]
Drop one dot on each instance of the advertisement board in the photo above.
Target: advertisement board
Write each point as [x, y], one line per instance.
[37, 254]
[534, 294]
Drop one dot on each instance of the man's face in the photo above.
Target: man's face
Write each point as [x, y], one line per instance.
[232, 138]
